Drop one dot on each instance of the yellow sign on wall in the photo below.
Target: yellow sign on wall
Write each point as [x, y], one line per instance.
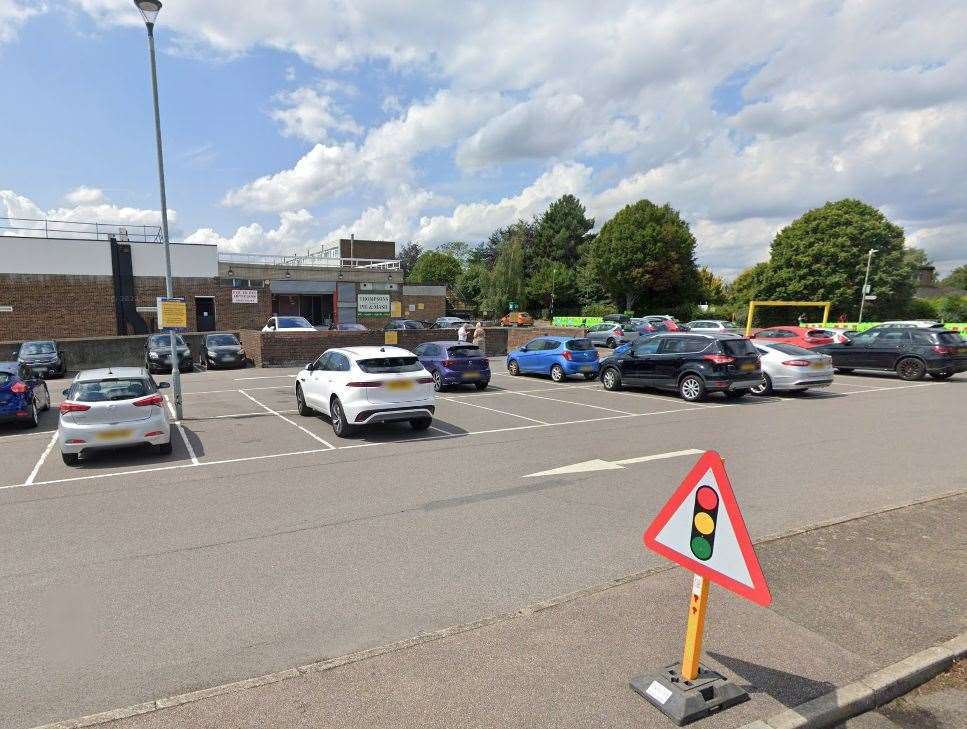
[391, 337]
[395, 309]
[172, 314]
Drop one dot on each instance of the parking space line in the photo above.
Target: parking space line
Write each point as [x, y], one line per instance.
[264, 377]
[290, 422]
[181, 432]
[494, 410]
[39, 433]
[259, 414]
[234, 389]
[40, 461]
[571, 402]
[884, 389]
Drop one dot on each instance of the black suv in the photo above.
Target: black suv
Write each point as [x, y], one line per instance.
[911, 353]
[693, 364]
[43, 358]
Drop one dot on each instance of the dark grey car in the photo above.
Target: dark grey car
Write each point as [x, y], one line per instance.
[43, 358]
[222, 350]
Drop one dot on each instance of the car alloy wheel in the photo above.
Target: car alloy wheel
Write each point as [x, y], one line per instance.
[513, 368]
[300, 401]
[611, 343]
[764, 387]
[611, 379]
[910, 369]
[437, 382]
[691, 388]
[339, 424]
[31, 421]
[557, 373]
[46, 406]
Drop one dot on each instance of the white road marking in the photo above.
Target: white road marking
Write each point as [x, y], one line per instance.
[290, 422]
[598, 464]
[659, 456]
[493, 410]
[38, 434]
[263, 377]
[884, 389]
[181, 432]
[260, 413]
[212, 392]
[571, 402]
[40, 461]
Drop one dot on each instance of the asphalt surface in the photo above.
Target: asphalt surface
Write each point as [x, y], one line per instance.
[264, 547]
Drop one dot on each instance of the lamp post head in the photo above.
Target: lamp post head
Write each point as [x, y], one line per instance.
[149, 10]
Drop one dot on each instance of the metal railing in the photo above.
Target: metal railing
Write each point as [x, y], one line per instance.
[49, 228]
[309, 261]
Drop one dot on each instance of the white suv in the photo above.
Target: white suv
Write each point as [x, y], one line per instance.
[361, 385]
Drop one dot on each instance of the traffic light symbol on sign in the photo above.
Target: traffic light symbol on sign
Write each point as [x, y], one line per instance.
[704, 516]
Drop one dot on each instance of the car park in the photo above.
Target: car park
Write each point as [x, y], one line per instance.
[22, 395]
[691, 364]
[112, 408]
[608, 334]
[712, 325]
[222, 350]
[788, 368]
[395, 325]
[357, 386]
[517, 319]
[558, 357]
[800, 336]
[911, 352]
[43, 358]
[288, 324]
[157, 354]
[453, 363]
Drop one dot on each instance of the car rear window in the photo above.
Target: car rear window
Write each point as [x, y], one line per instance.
[579, 345]
[389, 365]
[790, 349]
[222, 340]
[465, 352]
[737, 347]
[122, 388]
[37, 348]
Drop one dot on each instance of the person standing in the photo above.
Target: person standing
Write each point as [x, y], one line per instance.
[478, 336]
[462, 333]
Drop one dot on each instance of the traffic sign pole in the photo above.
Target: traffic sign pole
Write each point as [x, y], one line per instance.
[697, 606]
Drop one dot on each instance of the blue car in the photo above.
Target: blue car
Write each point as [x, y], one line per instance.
[557, 357]
[22, 395]
[454, 363]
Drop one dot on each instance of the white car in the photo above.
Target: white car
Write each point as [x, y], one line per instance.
[449, 322]
[788, 368]
[288, 324]
[112, 408]
[711, 325]
[357, 386]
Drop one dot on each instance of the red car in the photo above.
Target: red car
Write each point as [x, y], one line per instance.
[799, 336]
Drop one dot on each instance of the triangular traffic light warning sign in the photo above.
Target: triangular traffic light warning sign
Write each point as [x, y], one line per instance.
[701, 528]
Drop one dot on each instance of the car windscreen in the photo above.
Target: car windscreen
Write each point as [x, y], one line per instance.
[6, 377]
[222, 340]
[465, 352]
[37, 348]
[949, 338]
[294, 322]
[737, 347]
[120, 388]
[351, 328]
[579, 345]
[389, 365]
[790, 349]
[163, 341]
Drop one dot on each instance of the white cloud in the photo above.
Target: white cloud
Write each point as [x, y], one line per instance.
[85, 196]
[309, 115]
[294, 233]
[13, 15]
[85, 205]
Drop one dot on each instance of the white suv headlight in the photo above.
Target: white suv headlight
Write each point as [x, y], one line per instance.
[152, 355]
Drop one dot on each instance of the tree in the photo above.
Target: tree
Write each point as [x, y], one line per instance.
[551, 283]
[433, 267]
[713, 287]
[505, 283]
[456, 248]
[747, 286]
[471, 284]
[957, 278]
[561, 231]
[408, 256]
[822, 256]
[915, 258]
[646, 252]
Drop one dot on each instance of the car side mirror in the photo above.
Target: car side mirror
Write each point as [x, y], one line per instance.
[311, 366]
[847, 341]
[163, 385]
[65, 392]
[523, 349]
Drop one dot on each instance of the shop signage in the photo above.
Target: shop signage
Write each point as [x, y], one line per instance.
[372, 303]
[245, 296]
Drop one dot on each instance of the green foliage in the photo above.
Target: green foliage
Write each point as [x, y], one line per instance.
[458, 249]
[408, 256]
[957, 278]
[914, 258]
[561, 232]
[470, 285]
[922, 309]
[822, 256]
[713, 288]
[505, 283]
[434, 267]
[597, 308]
[952, 308]
[552, 280]
[646, 253]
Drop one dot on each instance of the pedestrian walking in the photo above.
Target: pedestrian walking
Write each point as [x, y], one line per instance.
[462, 333]
[478, 336]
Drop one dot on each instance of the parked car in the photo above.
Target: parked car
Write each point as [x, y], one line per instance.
[609, 334]
[909, 324]
[288, 324]
[43, 358]
[555, 356]
[693, 364]
[358, 386]
[22, 395]
[400, 324]
[348, 327]
[517, 319]
[157, 354]
[799, 336]
[840, 335]
[617, 318]
[912, 353]
[449, 322]
[712, 325]
[788, 368]
[454, 363]
[112, 408]
[222, 350]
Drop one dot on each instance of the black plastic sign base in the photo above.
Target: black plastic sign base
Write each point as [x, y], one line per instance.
[686, 701]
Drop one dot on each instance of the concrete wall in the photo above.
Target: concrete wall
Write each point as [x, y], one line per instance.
[187, 260]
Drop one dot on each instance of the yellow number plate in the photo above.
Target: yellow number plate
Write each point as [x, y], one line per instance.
[471, 375]
[819, 365]
[399, 385]
[114, 434]
[747, 367]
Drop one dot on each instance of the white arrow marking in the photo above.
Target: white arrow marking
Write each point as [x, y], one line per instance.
[599, 465]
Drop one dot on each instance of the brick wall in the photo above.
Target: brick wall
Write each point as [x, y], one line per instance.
[433, 307]
[53, 307]
[519, 336]
[242, 316]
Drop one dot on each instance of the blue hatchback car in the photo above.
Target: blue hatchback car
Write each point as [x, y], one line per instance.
[557, 357]
[22, 395]
[454, 363]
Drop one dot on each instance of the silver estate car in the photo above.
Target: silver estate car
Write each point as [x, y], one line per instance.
[112, 408]
[788, 368]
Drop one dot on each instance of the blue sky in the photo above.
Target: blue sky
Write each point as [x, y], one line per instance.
[290, 125]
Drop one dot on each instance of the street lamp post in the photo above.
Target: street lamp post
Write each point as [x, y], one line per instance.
[149, 10]
[866, 279]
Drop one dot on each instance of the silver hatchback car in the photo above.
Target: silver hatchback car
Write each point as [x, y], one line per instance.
[112, 408]
[788, 368]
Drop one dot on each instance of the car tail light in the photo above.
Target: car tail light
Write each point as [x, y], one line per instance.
[719, 358]
[425, 380]
[448, 363]
[19, 388]
[75, 441]
[938, 348]
[152, 434]
[797, 362]
[150, 400]
[567, 355]
[619, 331]
[367, 383]
[72, 407]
